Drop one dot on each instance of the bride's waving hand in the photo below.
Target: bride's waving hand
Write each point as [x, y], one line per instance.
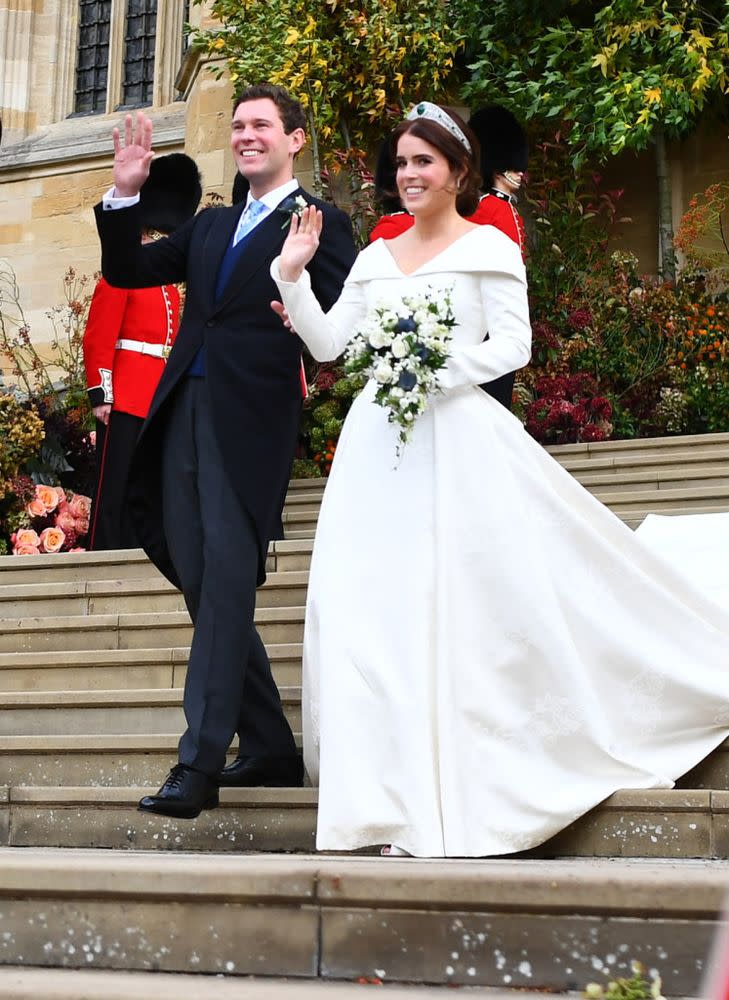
[301, 243]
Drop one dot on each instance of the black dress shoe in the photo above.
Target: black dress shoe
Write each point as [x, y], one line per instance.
[258, 772]
[185, 794]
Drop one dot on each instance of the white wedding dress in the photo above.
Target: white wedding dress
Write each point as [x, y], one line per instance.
[489, 652]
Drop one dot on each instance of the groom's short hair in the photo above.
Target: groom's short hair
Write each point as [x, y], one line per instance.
[292, 113]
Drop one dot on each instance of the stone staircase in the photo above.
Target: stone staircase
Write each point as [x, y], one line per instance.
[93, 652]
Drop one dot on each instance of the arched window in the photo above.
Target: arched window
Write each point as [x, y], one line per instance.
[139, 44]
[128, 53]
[93, 56]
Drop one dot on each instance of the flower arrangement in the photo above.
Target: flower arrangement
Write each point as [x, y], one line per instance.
[403, 348]
[569, 409]
[56, 521]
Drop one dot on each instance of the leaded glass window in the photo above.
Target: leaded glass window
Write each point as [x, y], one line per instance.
[93, 56]
[141, 26]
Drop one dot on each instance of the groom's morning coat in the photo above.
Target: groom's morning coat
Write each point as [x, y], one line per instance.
[251, 359]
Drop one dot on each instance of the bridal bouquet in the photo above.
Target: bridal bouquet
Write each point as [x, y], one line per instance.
[403, 347]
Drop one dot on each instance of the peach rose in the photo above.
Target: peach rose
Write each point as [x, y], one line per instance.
[47, 496]
[77, 549]
[52, 539]
[36, 508]
[80, 507]
[26, 550]
[61, 494]
[25, 536]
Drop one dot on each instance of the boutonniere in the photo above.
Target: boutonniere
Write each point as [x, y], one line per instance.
[292, 206]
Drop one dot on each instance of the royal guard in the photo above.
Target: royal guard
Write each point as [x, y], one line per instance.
[128, 336]
[504, 154]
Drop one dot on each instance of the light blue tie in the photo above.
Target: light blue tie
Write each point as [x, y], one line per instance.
[249, 219]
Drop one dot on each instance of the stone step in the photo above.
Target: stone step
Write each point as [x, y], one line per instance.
[669, 478]
[120, 759]
[74, 713]
[631, 824]
[129, 596]
[550, 925]
[117, 669]
[129, 564]
[17, 983]
[636, 461]
[640, 446]
[132, 631]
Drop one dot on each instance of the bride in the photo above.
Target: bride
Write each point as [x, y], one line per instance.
[489, 652]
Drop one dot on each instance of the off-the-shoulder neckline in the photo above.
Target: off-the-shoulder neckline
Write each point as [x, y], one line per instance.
[427, 263]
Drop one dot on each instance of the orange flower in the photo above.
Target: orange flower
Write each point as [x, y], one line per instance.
[712, 356]
[683, 366]
[47, 496]
[717, 344]
[26, 550]
[52, 539]
[25, 536]
[711, 311]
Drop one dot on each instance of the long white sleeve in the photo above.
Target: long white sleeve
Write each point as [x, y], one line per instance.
[325, 334]
[506, 313]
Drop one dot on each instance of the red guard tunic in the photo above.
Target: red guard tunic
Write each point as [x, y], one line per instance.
[147, 320]
[492, 210]
[127, 337]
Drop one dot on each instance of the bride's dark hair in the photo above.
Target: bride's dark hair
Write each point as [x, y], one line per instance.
[460, 160]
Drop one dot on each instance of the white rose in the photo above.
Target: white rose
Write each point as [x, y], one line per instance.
[383, 373]
[378, 338]
[399, 348]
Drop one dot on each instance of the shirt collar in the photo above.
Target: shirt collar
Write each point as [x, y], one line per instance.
[273, 198]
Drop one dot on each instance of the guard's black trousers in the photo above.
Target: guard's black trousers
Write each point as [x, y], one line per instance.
[111, 526]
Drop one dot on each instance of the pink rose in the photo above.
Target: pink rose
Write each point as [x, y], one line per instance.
[36, 508]
[26, 550]
[52, 539]
[80, 507]
[25, 536]
[65, 519]
[47, 496]
[77, 549]
[92, 438]
[61, 494]
[81, 526]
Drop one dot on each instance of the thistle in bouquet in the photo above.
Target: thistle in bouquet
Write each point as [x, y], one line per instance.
[402, 347]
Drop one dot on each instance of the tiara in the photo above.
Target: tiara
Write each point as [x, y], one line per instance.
[436, 114]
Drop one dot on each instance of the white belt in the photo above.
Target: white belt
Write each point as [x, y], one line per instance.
[140, 347]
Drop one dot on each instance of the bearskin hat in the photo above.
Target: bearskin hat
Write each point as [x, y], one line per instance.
[503, 141]
[171, 193]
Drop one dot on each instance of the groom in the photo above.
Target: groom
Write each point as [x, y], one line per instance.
[215, 452]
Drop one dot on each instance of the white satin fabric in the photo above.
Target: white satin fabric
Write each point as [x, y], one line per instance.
[489, 652]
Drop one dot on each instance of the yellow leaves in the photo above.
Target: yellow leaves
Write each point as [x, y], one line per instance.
[701, 41]
[643, 116]
[603, 58]
[380, 97]
[292, 36]
[652, 95]
[398, 78]
[705, 74]
[601, 61]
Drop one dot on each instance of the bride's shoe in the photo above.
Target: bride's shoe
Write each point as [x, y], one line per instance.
[393, 851]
